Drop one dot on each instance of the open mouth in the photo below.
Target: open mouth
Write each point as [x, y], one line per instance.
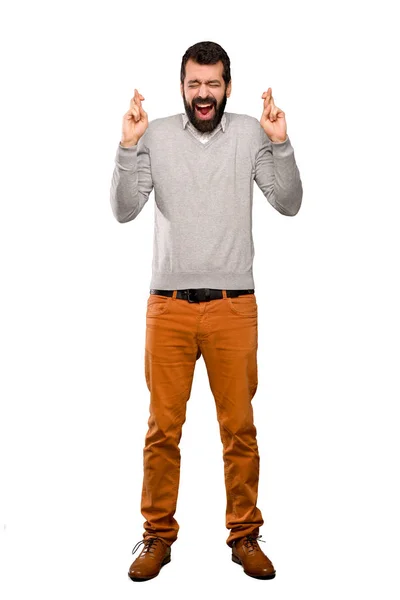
[204, 111]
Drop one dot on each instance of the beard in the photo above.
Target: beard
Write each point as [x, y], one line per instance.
[205, 125]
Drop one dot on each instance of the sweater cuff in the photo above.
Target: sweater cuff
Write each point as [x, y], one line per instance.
[282, 148]
[126, 156]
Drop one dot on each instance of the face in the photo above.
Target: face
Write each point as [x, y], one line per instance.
[204, 85]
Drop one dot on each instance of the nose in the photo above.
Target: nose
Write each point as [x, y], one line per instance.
[203, 91]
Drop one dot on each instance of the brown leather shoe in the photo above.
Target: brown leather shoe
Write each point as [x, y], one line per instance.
[155, 554]
[247, 552]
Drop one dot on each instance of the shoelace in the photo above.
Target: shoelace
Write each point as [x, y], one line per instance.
[148, 544]
[250, 542]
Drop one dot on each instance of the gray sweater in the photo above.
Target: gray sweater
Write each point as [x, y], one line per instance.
[204, 197]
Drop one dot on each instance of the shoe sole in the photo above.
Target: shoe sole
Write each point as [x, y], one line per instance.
[164, 562]
[239, 562]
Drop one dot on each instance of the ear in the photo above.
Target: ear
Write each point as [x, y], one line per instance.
[229, 89]
[181, 86]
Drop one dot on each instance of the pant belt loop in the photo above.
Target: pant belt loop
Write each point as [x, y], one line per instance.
[174, 293]
[224, 295]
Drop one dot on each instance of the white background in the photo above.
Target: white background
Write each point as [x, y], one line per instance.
[75, 284]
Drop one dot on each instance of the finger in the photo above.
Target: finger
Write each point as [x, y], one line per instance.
[273, 112]
[139, 98]
[134, 99]
[267, 106]
[267, 98]
[266, 111]
[278, 112]
[130, 115]
[135, 112]
[265, 95]
[133, 102]
[135, 107]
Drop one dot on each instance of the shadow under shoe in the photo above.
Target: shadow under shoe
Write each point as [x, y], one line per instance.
[155, 554]
[247, 552]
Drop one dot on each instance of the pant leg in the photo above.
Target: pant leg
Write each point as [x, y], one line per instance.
[229, 347]
[171, 352]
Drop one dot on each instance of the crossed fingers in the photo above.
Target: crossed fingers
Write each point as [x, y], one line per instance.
[270, 110]
[136, 105]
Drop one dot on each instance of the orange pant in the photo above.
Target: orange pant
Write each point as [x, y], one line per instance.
[178, 332]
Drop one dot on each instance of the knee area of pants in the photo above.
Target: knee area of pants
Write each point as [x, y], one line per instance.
[238, 429]
[162, 430]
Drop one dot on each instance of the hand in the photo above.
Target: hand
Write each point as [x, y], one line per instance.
[135, 121]
[273, 119]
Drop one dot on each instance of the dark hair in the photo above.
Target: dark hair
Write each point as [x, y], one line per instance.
[207, 53]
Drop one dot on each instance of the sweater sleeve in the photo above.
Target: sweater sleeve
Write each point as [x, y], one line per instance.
[131, 181]
[277, 175]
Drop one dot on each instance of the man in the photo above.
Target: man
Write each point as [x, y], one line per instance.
[202, 165]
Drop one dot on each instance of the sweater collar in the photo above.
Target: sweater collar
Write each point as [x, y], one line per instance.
[185, 121]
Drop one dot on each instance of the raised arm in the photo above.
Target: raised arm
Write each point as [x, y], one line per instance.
[276, 171]
[131, 181]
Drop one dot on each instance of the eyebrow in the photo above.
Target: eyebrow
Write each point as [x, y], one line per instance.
[209, 81]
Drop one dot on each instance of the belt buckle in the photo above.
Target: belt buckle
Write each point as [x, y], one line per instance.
[192, 295]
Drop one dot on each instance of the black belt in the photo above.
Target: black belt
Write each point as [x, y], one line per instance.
[201, 294]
